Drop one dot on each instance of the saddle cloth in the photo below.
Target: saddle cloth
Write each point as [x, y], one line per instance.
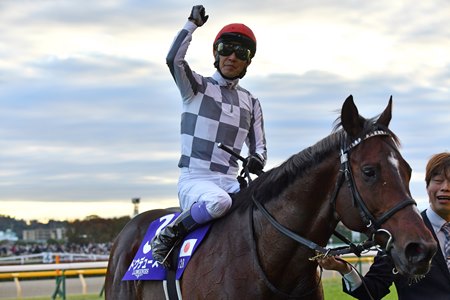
[144, 267]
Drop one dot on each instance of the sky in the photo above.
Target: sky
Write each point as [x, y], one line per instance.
[89, 113]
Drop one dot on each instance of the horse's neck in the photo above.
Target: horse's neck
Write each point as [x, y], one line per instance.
[305, 204]
[304, 207]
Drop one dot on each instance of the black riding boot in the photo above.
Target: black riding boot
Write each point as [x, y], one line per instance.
[171, 235]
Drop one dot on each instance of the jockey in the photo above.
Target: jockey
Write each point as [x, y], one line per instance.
[216, 110]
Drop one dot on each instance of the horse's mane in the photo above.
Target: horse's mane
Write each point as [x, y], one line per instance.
[273, 182]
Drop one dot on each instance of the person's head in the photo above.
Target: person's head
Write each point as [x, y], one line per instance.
[437, 178]
[233, 48]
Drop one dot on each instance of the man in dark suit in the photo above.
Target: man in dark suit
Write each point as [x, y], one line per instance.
[436, 284]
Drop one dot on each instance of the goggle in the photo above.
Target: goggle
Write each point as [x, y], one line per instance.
[240, 51]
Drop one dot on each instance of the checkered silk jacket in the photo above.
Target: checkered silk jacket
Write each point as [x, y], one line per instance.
[215, 110]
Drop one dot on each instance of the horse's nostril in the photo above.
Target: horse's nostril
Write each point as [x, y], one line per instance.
[417, 253]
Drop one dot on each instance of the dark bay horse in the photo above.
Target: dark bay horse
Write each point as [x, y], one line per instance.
[355, 175]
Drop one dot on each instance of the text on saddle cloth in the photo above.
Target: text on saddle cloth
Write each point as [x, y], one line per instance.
[144, 267]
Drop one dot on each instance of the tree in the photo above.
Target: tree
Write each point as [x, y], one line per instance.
[95, 229]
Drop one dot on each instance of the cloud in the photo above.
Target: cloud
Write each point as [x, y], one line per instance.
[89, 111]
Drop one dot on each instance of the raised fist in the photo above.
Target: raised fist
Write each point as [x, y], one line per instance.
[198, 15]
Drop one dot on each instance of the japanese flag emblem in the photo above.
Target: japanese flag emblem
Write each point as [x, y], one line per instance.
[187, 247]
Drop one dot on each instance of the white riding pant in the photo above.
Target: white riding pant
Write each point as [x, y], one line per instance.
[213, 188]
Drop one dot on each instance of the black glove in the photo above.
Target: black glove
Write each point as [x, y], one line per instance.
[254, 164]
[198, 15]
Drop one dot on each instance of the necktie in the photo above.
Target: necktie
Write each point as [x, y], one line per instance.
[446, 230]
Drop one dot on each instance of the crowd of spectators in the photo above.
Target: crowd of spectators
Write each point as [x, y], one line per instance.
[16, 249]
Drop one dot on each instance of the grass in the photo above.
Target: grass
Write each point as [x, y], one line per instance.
[332, 289]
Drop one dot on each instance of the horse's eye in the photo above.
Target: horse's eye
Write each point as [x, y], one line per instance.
[368, 171]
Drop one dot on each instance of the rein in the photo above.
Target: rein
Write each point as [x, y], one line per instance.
[356, 249]
[351, 248]
[260, 270]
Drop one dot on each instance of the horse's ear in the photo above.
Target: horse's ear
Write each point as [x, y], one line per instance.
[351, 121]
[385, 117]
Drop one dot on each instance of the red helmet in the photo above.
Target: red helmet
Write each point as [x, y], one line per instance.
[237, 32]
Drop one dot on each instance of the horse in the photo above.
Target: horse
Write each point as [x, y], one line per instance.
[246, 256]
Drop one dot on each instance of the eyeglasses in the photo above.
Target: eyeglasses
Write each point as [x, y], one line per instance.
[240, 51]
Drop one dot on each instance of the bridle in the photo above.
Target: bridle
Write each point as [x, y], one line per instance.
[371, 222]
[345, 175]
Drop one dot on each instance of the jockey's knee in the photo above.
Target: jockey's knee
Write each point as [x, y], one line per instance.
[219, 207]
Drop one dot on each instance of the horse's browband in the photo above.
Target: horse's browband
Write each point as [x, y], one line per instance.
[368, 135]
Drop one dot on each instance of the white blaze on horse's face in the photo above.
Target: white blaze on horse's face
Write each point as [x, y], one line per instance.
[394, 162]
[392, 159]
